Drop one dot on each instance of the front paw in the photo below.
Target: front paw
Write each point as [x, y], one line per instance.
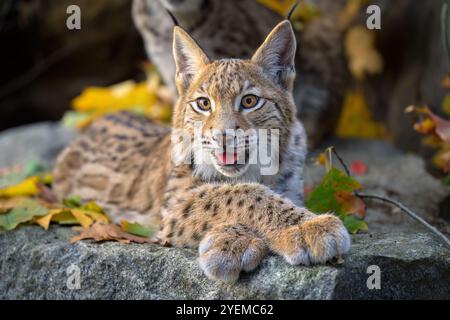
[316, 240]
[224, 253]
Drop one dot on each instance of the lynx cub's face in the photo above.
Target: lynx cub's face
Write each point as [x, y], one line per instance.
[241, 111]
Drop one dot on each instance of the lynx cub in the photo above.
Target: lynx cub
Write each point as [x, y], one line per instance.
[228, 208]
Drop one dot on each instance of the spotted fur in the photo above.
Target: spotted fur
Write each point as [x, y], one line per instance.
[234, 216]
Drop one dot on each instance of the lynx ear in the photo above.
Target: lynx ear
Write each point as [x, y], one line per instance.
[189, 58]
[277, 55]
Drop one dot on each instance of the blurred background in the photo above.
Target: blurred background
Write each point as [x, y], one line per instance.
[352, 82]
[44, 65]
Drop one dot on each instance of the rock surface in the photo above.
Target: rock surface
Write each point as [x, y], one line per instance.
[42, 141]
[34, 265]
[413, 262]
[394, 174]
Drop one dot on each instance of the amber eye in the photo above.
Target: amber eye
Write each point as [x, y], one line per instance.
[203, 104]
[249, 101]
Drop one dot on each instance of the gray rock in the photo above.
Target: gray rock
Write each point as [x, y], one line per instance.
[413, 263]
[394, 174]
[41, 141]
[34, 262]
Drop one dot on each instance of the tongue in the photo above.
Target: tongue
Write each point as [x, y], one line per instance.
[227, 158]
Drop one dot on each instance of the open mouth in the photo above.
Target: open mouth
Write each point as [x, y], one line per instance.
[230, 161]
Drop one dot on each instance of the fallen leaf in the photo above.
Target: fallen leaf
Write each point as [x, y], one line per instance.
[25, 211]
[73, 202]
[351, 204]
[61, 216]
[137, 229]
[437, 130]
[108, 232]
[44, 221]
[358, 168]
[65, 217]
[335, 194]
[356, 120]
[442, 158]
[28, 187]
[86, 218]
[446, 104]
[71, 216]
[307, 190]
[150, 98]
[7, 204]
[355, 224]
[93, 207]
[323, 198]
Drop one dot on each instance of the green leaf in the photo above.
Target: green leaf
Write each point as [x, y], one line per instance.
[446, 180]
[73, 118]
[31, 168]
[92, 206]
[34, 168]
[24, 212]
[73, 202]
[354, 224]
[137, 229]
[323, 199]
[335, 195]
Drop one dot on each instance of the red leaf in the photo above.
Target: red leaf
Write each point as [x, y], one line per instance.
[359, 168]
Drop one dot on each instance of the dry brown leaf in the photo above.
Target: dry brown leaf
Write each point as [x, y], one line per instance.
[108, 232]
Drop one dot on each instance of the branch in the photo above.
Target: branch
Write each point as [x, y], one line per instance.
[408, 211]
[399, 205]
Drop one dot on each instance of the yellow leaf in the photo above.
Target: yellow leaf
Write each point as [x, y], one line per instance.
[93, 207]
[446, 104]
[64, 217]
[70, 216]
[44, 221]
[363, 57]
[28, 187]
[325, 159]
[150, 98]
[425, 126]
[442, 158]
[281, 7]
[356, 120]
[432, 141]
[86, 218]
[304, 12]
